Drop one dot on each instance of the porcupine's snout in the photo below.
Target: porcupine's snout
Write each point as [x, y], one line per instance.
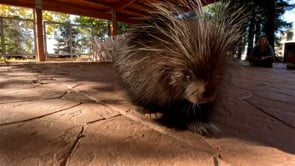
[197, 92]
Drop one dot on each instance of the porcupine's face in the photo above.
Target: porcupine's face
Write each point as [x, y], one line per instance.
[199, 72]
[199, 91]
[201, 76]
[196, 86]
[197, 76]
[204, 59]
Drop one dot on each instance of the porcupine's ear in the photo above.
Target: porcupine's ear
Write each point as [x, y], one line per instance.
[166, 71]
[169, 75]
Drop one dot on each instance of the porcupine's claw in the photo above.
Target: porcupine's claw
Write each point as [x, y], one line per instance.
[204, 129]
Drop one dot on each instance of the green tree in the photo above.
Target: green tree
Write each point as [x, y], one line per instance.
[100, 27]
[66, 40]
[50, 16]
[17, 28]
[16, 12]
[264, 18]
[122, 27]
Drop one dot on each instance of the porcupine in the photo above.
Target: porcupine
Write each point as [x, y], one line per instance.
[170, 62]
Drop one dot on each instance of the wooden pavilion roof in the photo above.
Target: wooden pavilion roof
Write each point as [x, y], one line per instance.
[126, 10]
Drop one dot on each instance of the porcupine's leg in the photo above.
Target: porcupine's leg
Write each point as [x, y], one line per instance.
[184, 114]
[197, 119]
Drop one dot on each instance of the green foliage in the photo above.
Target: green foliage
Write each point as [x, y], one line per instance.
[122, 28]
[16, 12]
[264, 18]
[18, 36]
[71, 39]
[54, 17]
[91, 21]
[281, 7]
[100, 28]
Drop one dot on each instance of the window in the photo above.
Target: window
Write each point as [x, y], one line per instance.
[289, 36]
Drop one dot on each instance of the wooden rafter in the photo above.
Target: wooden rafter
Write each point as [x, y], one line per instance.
[123, 4]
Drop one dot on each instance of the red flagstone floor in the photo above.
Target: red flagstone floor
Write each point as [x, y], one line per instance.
[75, 113]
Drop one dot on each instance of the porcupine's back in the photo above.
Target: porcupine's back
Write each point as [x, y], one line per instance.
[166, 52]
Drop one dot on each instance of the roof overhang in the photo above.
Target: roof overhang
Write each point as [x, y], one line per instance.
[125, 10]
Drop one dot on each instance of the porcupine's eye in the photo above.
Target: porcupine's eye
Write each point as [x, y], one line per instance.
[188, 77]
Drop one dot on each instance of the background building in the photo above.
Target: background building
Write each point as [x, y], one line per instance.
[287, 47]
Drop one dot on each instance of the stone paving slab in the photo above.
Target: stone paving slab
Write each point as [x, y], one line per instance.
[120, 141]
[38, 142]
[29, 110]
[256, 116]
[70, 113]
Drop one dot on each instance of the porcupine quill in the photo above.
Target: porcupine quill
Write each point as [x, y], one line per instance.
[172, 63]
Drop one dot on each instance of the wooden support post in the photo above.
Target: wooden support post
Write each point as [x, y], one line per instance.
[39, 31]
[114, 24]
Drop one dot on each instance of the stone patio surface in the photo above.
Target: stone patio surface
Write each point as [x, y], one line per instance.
[76, 114]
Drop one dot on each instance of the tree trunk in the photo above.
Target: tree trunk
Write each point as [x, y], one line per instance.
[251, 35]
[269, 24]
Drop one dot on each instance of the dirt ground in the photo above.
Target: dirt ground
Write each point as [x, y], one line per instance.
[75, 113]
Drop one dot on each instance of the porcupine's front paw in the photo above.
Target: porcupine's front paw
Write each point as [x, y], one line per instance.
[204, 129]
[198, 120]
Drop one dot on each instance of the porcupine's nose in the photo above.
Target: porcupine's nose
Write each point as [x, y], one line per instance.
[205, 97]
[197, 93]
[202, 95]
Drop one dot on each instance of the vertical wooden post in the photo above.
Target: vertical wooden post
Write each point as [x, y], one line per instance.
[114, 24]
[38, 31]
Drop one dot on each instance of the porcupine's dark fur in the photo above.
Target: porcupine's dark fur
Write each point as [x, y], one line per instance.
[171, 63]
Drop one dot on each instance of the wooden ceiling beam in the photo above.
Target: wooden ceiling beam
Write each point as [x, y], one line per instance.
[137, 7]
[87, 4]
[123, 4]
[53, 6]
[129, 20]
[20, 3]
[130, 13]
